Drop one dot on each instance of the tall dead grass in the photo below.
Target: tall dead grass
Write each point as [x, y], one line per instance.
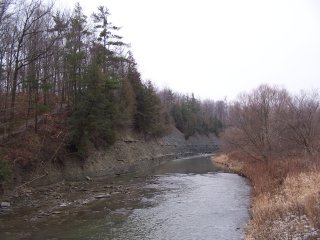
[285, 196]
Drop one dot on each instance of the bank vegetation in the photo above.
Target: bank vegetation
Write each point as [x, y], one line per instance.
[272, 137]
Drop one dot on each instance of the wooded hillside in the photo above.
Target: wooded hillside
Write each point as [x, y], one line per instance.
[66, 67]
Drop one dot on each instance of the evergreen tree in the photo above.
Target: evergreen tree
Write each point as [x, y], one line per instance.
[75, 53]
[148, 116]
[93, 118]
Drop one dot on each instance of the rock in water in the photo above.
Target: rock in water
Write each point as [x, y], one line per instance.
[5, 205]
[102, 196]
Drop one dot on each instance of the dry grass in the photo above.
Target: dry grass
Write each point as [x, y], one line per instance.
[23, 112]
[285, 196]
[224, 161]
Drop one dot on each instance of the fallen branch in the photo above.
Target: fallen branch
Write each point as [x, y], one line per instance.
[37, 178]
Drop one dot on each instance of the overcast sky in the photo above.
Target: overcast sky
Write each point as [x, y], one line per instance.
[217, 49]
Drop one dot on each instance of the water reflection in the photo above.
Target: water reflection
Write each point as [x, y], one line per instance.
[195, 165]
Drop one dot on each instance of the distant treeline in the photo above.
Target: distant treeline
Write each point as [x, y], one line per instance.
[53, 60]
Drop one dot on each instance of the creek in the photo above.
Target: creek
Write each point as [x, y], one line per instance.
[186, 198]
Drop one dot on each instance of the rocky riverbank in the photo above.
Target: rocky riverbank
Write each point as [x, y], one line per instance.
[34, 208]
[130, 154]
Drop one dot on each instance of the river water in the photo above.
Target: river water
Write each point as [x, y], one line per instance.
[182, 199]
[192, 200]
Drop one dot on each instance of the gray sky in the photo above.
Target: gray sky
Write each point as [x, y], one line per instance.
[218, 48]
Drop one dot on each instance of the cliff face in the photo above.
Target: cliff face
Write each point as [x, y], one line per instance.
[130, 154]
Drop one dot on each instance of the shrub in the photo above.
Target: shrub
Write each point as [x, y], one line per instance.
[5, 171]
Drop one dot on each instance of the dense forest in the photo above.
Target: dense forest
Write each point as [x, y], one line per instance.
[54, 62]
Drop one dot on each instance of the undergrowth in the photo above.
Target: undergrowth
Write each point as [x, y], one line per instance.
[5, 171]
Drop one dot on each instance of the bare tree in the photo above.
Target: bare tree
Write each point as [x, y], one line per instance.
[253, 121]
[302, 121]
[4, 6]
[28, 19]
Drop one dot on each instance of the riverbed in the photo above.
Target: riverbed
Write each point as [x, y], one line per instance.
[186, 198]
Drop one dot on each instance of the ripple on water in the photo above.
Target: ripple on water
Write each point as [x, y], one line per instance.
[206, 206]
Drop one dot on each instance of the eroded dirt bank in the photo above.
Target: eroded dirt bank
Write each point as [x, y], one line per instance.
[132, 153]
